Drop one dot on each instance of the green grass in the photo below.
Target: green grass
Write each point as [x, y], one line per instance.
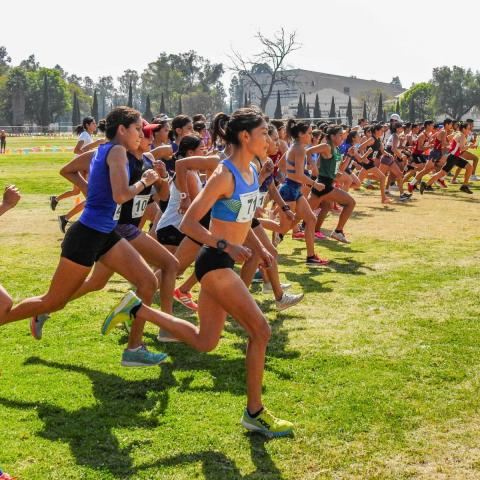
[378, 367]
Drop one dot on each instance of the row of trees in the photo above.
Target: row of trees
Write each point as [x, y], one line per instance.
[172, 84]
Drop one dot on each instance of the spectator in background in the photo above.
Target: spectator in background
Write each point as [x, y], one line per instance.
[3, 141]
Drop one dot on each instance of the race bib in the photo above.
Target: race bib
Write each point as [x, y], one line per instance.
[261, 198]
[116, 215]
[140, 203]
[249, 202]
[374, 155]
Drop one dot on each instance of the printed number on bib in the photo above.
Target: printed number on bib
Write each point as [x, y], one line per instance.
[249, 203]
[374, 154]
[140, 203]
[261, 198]
[118, 210]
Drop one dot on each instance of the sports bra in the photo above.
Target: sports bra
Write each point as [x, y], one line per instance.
[241, 206]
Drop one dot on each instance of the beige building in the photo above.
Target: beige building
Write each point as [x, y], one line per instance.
[325, 85]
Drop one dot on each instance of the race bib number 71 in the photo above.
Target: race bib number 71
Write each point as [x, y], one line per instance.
[249, 203]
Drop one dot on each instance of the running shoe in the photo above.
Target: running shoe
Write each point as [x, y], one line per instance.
[423, 186]
[141, 357]
[316, 261]
[266, 424]
[405, 196]
[466, 189]
[121, 313]
[62, 223]
[288, 300]
[267, 287]
[474, 178]
[339, 236]
[257, 278]
[166, 337]
[298, 235]
[320, 236]
[429, 188]
[36, 327]
[185, 299]
[442, 183]
[53, 203]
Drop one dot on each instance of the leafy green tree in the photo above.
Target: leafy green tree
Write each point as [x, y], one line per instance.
[16, 93]
[417, 102]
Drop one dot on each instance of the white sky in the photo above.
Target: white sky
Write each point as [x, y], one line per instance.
[372, 39]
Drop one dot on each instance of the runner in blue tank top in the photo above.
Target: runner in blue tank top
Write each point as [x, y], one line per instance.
[231, 193]
[93, 237]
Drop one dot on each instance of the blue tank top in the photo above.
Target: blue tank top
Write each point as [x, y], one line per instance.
[101, 213]
[241, 206]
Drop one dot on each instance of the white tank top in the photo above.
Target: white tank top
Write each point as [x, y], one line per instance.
[171, 216]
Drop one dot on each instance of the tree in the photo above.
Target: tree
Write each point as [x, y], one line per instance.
[230, 110]
[129, 83]
[307, 111]
[397, 107]
[162, 105]
[5, 61]
[180, 107]
[364, 113]
[300, 111]
[339, 117]
[420, 99]
[245, 101]
[236, 92]
[456, 90]
[317, 113]
[130, 96]
[88, 85]
[278, 108]
[266, 69]
[76, 117]
[95, 106]
[16, 91]
[148, 115]
[332, 113]
[349, 113]
[45, 110]
[30, 64]
[106, 91]
[396, 83]
[379, 117]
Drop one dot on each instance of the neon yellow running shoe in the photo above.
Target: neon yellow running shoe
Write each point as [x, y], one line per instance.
[267, 424]
[121, 313]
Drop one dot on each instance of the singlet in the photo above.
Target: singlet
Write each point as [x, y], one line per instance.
[101, 213]
[171, 216]
[241, 206]
[376, 150]
[344, 148]
[329, 166]
[455, 147]
[132, 211]
[437, 144]
[292, 170]
[415, 150]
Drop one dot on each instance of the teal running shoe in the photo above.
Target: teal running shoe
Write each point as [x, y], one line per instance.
[121, 313]
[36, 325]
[142, 358]
[267, 424]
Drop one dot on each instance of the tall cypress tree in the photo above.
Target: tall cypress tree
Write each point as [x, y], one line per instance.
[307, 111]
[148, 115]
[130, 95]
[364, 114]
[397, 107]
[349, 113]
[278, 108]
[245, 101]
[95, 106]
[45, 109]
[75, 111]
[317, 113]
[380, 109]
[339, 117]
[162, 105]
[231, 106]
[332, 113]
[180, 106]
[300, 112]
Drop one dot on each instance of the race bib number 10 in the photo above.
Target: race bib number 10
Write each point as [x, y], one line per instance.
[140, 203]
[116, 215]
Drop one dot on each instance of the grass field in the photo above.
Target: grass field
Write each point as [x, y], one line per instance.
[378, 367]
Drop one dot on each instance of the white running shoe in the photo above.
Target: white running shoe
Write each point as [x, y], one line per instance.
[474, 178]
[267, 287]
[288, 300]
[339, 236]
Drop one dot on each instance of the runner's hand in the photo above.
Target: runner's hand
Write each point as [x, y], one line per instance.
[150, 176]
[319, 186]
[266, 258]
[184, 204]
[239, 253]
[11, 196]
[267, 168]
[160, 168]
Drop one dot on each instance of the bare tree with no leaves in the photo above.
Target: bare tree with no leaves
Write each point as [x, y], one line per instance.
[270, 62]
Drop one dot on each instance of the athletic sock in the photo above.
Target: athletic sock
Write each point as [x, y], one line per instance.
[338, 231]
[254, 415]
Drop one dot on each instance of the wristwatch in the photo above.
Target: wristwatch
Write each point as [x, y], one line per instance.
[285, 208]
[183, 195]
[221, 246]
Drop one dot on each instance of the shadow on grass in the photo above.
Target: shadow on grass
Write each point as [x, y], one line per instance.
[217, 466]
[130, 404]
